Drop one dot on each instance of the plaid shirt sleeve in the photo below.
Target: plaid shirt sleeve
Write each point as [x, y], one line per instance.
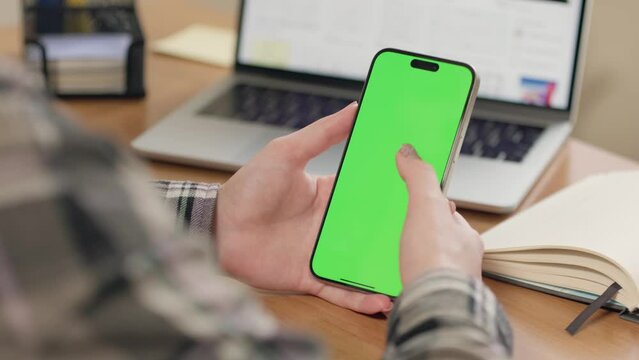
[193, 203]
[448, 315]
[92, 265]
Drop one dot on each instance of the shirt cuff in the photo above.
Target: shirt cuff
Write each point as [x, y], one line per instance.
[193, 204]
[444, 313]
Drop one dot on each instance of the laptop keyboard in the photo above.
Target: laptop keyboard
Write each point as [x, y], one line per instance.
[499, 140]
[484, 138]
[273, 106]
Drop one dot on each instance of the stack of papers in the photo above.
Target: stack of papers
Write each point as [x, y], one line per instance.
[79, 64]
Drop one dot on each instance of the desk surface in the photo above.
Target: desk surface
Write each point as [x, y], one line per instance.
[538, 319]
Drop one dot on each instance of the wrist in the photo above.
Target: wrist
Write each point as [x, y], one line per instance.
[410, 274]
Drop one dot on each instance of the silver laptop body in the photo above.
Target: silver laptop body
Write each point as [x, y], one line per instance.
[298, 60]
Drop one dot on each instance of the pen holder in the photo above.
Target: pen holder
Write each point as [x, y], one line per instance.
[72, 44]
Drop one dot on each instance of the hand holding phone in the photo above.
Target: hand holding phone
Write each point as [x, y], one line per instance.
[268, 214]
[408, 98]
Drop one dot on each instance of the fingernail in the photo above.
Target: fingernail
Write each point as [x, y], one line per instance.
[354, 103]
[407, 150]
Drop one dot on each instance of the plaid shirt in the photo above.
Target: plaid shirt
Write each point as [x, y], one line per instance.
[92, 265]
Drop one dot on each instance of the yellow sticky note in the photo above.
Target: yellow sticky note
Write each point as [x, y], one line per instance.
[201, 43]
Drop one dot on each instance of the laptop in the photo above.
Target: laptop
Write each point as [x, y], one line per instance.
[300, 60]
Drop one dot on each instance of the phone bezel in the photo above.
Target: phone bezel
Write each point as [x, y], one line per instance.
[452, 158]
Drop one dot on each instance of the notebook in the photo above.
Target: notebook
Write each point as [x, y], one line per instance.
[201, 43]
[574, 244]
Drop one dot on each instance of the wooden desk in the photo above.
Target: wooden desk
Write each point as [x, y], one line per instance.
[538, 319]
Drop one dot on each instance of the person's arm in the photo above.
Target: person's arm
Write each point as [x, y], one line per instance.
[450, 314]
[445, 310]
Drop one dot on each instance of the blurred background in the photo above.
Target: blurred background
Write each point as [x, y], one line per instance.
[608, 110]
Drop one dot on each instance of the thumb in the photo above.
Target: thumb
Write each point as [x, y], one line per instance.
[420, 178]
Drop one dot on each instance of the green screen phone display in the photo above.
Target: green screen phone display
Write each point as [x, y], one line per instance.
[411, 99]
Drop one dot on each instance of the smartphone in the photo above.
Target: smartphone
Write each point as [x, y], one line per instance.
[407, 98]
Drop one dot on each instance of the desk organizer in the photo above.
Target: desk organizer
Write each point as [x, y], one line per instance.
[72, 43]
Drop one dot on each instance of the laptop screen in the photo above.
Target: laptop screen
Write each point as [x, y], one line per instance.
[523, 50]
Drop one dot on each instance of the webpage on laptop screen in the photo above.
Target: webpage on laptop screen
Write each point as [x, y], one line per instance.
[523, 50]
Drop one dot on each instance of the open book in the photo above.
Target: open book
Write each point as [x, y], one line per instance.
[574, 244]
